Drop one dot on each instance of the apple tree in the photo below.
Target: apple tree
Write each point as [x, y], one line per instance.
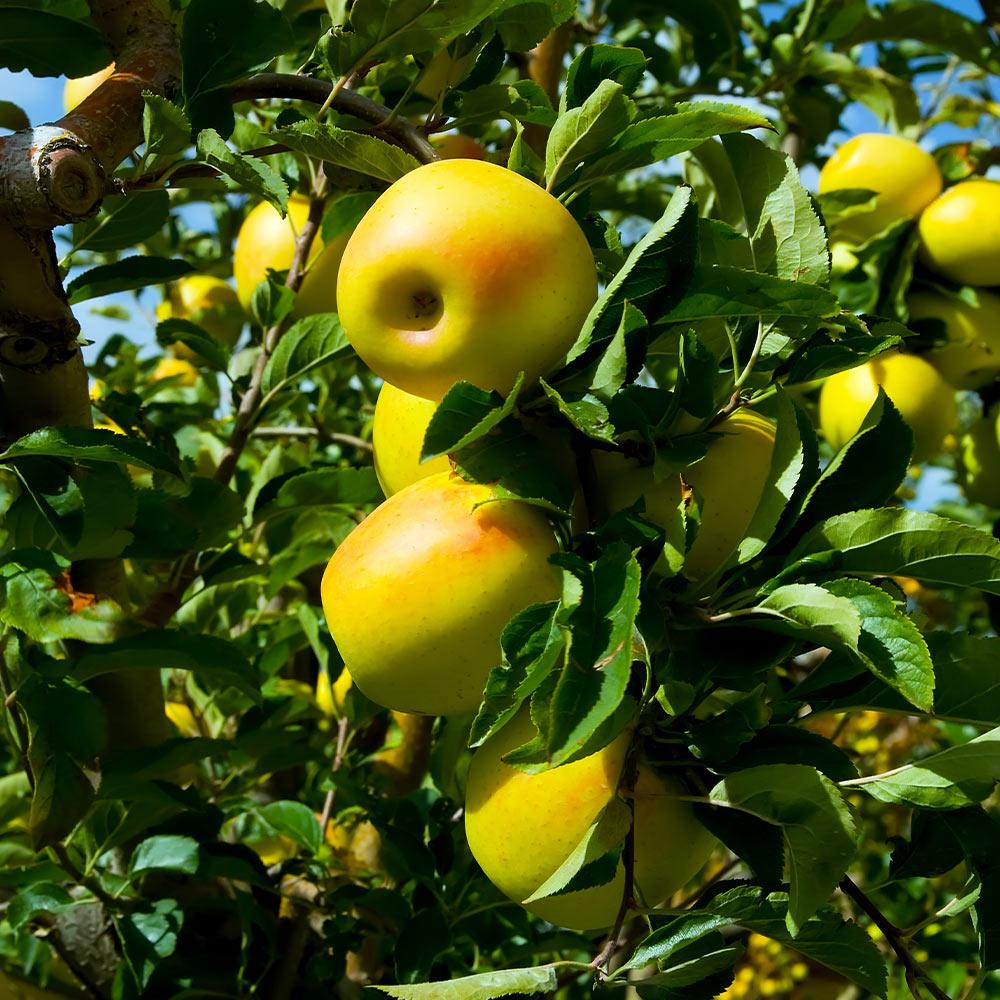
[651, 650]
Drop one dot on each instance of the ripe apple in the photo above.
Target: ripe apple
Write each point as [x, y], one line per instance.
[522, 827]
[464, 270]
[971, 358]
[456, 146]
[979, 460]
[960, 233]
[906, 178]
[207, 302]
[917, 390]
[398, 431]
[266, 240]
[416, 597]
[79, 88]
[730, 480]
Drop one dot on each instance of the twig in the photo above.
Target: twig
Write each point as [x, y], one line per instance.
[338, 760]
[54, 938]
[289, 86]
[349, 439]
[89, 882]
[188, 170]
[602, 959]
[914, 971]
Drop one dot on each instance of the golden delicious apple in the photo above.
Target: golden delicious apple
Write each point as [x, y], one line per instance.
[916, 388]
[906, 178]
[398, 431]
[464, 270]
[979, 460]
[960, 233]
[456, 146]
[418, 594]
[522, 827]
[971, 358]
[207, 302]
[266, 240]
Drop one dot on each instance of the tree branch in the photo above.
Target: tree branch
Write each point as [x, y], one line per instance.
[914, 971]
[266, 86]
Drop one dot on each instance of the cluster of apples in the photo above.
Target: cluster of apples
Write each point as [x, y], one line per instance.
[959, 241]
[466, 271]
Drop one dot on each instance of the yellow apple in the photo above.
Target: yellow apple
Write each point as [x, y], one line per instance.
[330, 695]
[960, 233]
[730, 480]
[79, 88]
[905, 177]
[398, 431]
[207, 302]
[464, 270]
[416, 597]
[979, 460]
[266, 240]
[456, 146]
[971, 358]
[522, 827]
[916, 388]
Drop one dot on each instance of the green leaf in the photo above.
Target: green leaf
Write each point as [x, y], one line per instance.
[317, 487]
[585, 412]
[344, 213]
[210, 350]
[805, 609]
[960, 776]
[13, 117]
[123, 221]
[891, 645]
[79, 444]
[652, 140]
[581, 132]
[786, 235]
[788, 460]
[590, 690]
[37, 600]
[819, 832]
[379, 29]
[166, 130]
[205, 656]
[62, 797]
[522, 101]
[595, 860]
[125, 275]
[598, 62]
[250, 173]
[42, 897]
[821, 356]
[487, 985]
[522, 24]
[892, 541]
[364, 154]
[147, 937]
[45, 44]
[466, 414]
[167, 852]
[223, 40]
[533, 643]
[308, 344]
[867, 471]
[731, 292]
[653, 278]
[295, 820]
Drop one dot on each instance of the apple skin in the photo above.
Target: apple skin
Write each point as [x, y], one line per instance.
[457, 146]
[905, 176]
[398, 431]
[265, 240]
[78, 89]
[923, 398]
[416, 597]
[464, 270]
[208, 302]
[522, 827]
[971, 358]
[183, 371]
[960, 233]
[979, 460]
[730, 480]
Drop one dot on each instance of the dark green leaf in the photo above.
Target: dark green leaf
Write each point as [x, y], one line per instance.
[80, 444]
[46, 44]
[598, 62]
[466, 414]
[125, 275]
[167, 852]
[123, 222]
[308, 344]
[251, 174]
